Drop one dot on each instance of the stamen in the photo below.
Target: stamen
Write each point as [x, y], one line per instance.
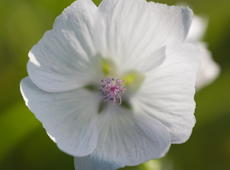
[112, 89]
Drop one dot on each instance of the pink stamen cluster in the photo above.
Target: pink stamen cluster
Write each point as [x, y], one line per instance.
[112, 89]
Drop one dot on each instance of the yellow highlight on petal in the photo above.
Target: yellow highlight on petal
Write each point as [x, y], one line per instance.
[108, 67]
[133, 79]
[129, 78]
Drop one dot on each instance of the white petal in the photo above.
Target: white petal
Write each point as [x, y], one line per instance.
[65, 58]
[209, 69]
[197, 29]
[135, 28]
[167, 94]
[68, 117]
[92, 163]
[148, 62]
[128, 138]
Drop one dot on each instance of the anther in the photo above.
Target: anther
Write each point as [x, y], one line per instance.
[112, 90]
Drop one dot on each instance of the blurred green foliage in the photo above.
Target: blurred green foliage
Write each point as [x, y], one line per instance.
[24, 144]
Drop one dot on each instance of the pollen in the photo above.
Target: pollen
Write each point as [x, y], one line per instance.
[112, 90]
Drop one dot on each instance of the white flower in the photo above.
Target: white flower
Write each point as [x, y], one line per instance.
[113, 85]
[209, 69]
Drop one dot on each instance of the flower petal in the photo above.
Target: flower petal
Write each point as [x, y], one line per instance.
[197, 29]
[65, 58]
[136, 28]
[129, 138]
[91, 163]
[209, 69]
[167, 93]
[68, 117]
[148, 62]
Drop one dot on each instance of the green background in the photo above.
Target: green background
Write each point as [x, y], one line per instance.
[24, 144]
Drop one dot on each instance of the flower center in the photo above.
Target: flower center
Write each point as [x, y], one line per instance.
[112, 89]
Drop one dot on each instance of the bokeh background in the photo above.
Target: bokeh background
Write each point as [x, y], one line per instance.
[24, 144]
